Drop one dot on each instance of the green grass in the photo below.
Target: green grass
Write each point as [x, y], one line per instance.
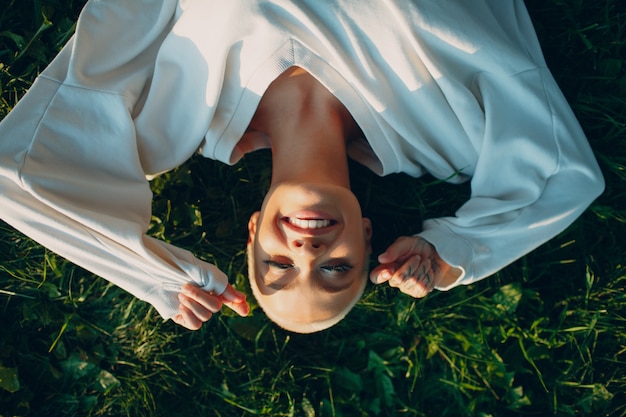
[545, 336]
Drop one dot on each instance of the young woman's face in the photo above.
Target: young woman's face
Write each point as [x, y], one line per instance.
[310, 248]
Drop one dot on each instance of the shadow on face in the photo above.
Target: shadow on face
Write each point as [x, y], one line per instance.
[308, 255]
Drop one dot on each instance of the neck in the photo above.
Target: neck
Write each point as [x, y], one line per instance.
[308, 128]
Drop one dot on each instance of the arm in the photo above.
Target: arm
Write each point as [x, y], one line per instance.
[534, 176]
[71, 173]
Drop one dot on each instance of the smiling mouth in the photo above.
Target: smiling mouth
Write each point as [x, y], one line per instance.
[310, 224]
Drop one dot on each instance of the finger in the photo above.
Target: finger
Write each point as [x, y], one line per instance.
[179, 319]
[231, 294]
[382, 273]
[421, 282]
[415, 289]
[207, 300]
[199, 311]
[240, 307]
[398, 250]
[235, 300]
[406, 271]
[415, 277]
[187, 319]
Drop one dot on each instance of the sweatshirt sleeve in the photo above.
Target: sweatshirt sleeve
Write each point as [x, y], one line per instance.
[71, 174]
[535, 175]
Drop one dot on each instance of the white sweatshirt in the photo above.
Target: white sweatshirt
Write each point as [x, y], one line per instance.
[458, 89]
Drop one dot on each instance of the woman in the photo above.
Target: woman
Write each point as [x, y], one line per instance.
[456, 90]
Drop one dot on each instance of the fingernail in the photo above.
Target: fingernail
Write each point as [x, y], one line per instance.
[381, 277]
[246, 311]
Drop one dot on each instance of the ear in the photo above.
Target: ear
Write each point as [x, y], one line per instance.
[367, 232]
[254, 219]
[367, 228]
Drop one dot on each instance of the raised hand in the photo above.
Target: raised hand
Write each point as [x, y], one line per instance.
[412, 265]
[197, 306]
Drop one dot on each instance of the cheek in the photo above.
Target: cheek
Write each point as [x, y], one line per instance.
[267, 234]
[361, 250]
[265, 243]
[268, 244]
[358, 241]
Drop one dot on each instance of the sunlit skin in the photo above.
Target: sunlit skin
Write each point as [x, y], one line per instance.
[305, 274]
[197, 306]
[304, 270]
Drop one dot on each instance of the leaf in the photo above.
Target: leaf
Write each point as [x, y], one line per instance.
[348, 380]
[374, 406]
[9, 380]
[77, 367]
[195, 215]
[87, 402]
[433, 348]
[596, 399]
[307, 408]
[385, 389]
[51, 290]
[19, 40]
[517, 399]
[107, 382]
[393, 353]
[377, 364]
[326, 408]
[508, 298]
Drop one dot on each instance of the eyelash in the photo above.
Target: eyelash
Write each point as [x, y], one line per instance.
[337, 268]
[328, 268]
[278, 265]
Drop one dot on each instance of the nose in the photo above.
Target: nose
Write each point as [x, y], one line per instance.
[307, 245]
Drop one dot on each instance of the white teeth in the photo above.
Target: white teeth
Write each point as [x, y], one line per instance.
[309, 224]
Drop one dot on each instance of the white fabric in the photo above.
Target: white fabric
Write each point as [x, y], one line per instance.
[458, 89]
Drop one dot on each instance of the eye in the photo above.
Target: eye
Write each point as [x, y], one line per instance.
[277, 265]
[336, 269]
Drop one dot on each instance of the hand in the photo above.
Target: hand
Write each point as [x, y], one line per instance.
[197, 306]
[412, 265]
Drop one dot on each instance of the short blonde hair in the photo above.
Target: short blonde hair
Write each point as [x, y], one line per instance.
[296, 326]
